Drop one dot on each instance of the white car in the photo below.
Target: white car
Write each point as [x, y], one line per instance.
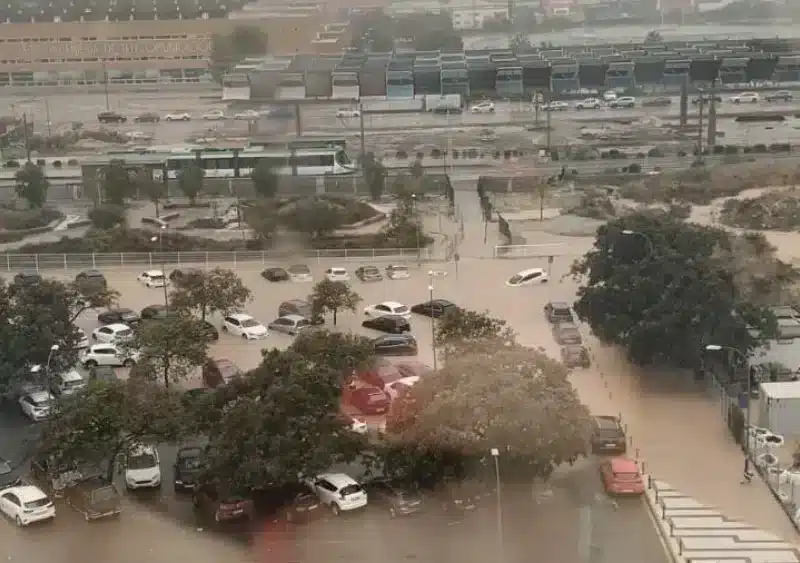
[113, 333]
[483, 107]
[153, 278]
[746, 98]
[338, 491]
[178, 116]
[528, 277]
[247, 115]
[397, 272]
[388, 308]
[356, 424]
[36, 405]
[623, 102]
[300, 273]
[68, 382]
[344, 112]
[26, 504]
[556, 106]
[214, 115]
[240, 324]
[402, 385]
[142, 468]
[108, 355]
[610, 96]
[588, 103]
[337, 274]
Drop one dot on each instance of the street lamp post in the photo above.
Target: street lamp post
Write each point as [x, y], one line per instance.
[718, 348]
[650, 246]
[417, 224]
[499, 532]
[163, 262]
[36, 369]
[433, 325]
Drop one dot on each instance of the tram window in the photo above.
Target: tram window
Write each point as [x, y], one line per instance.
[179, 164]
[313, 160]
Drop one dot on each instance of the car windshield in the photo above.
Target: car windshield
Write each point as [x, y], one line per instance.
[303, 322]
[515, 279]
[350, 490]
[371, 270]
[157, 277]
[402, 309]
[569, 331]
[400, 269]
[626, 476]
[142, 461]
[40, 401]
[376, 398]
[193, 462]
[38, 503]
[249, 323]
[125, 332]
[72, 383]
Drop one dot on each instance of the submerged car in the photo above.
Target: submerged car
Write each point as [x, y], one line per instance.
[94, 497]
[575, 355]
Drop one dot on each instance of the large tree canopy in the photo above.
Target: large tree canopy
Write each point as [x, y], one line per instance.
[664, 289]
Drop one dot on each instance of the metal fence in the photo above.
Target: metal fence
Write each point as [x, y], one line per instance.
[37, 262]
[531, 250]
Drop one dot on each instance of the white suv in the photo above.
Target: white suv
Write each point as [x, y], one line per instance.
[338, 491]
[746, 98]
[142, 468]
[108, 355]
[588, 103]
[152, 278]
[337, 274]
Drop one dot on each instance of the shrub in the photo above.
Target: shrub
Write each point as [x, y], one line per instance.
[640, 155]
[507, 155]
[680, 210]
[760, 148]
[554, 155]
[107, 216]
[497, 155]
[473, 153]
[681, 153]
[14, 220]
[206, 223]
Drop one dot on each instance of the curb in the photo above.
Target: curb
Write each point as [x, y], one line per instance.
[669, 543]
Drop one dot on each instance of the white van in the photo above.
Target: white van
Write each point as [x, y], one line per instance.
[68, 383]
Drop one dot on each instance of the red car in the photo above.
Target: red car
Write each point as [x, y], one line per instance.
[621, 476]
[221, 505]
[370, 400]
[379, 375]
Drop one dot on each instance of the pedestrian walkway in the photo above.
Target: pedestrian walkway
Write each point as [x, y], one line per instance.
[695, 533]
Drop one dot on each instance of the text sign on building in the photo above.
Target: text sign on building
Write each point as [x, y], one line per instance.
[116, 49]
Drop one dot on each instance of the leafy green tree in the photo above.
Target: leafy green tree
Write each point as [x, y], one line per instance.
[117, 185]
[265, 180]
[667, 288]
[479, 402]
[404, 229]
[107, 216]
[341, 352]
[283, 423]
[332, 297]
[374, 175]
[653, 36]
[261, 219]
[315, 217]
[206, 293]
[190, 182]
[32, 185]
[520, 42]
[173, 346]
[154, 191]
[109, 419]
[462, 330]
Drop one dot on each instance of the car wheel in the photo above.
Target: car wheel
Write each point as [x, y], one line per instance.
[224, 328]
[335, 509]
[244, 336]
[90, 364]
[128, 363]
[168, 119]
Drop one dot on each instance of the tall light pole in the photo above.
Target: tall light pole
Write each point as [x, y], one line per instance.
[718, 348]
[417, 224]
[651, 249]
[433, 324]
[163, 262]
[499, 531]
[37, 369]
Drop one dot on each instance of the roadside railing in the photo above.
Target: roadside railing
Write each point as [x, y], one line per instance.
[37, 262]
[511, 251]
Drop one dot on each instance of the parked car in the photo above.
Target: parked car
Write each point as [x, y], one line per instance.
[397, 272]
[575, 355]
[67, 383]
[26, 279]
[158, 311]
[608, 435]
[147, 118]
[531, 276]
[90, 281]
[412, 368]
[393, 324]
[275, 275]
[369, 274]
[337, 274]
[83, 340]
[36, 405]
[401, 387]
[247, 115]
[289, 324]
[220, 503]
[116, 332]
[187, 467]
[588, 103]
[483, 107]
[347, 112]
[107, 355]
[706, 98]
[609, 96]
[436, 308]
[94, 497]
[142, 468]
[555, 106]
[657, 102]
[300, 273]
[566, 333]
[746, 98]
[379, 372]
[178, 116]
[26, 504]
[395, 345]
[210, 331]
[388, 308]
[779, 96]
[621, 476]
[339, 492]
[460, 497]
[121, 316]
[53, 475]
[241, 324]
[111, 117]
[400, 499]
[220, 371]
[370, 400]
[295, 307]
[214, 115]
[152, 278]
[628, 102]
[304, 506]
[558, 312]
[9, 476]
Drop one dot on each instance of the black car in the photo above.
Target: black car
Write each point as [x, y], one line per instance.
[102, 373]
[8, 477]
[566, 333]
[180, 274]
[111, 117]
[275, 275]
[575, 355]
[392, 324]
[303, 507]
[558, 312]
[398, 498]
[187, 467]
[779, 96]
[25, 279]
[369, 274]
[157, 312]
[123, 316]
[89, 281]
[608, 436]
[147, 118]
[436, 308]
[395, 345]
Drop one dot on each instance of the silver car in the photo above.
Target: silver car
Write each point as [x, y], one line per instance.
[289, 324]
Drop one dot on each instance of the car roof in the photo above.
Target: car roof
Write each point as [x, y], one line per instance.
[298, 266]
[338, 480]
[298, 302]
[530, 271]
[607, 421]
[624, 465]
[369, 267]
[401, 266]
[294, 318]
[92, 272]
[117, 326]
[40, 395]
[337, 268]
[93, 347]
[392, 304]
[559, 305]
[27, 493]
[141, 449]
[240, 316]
